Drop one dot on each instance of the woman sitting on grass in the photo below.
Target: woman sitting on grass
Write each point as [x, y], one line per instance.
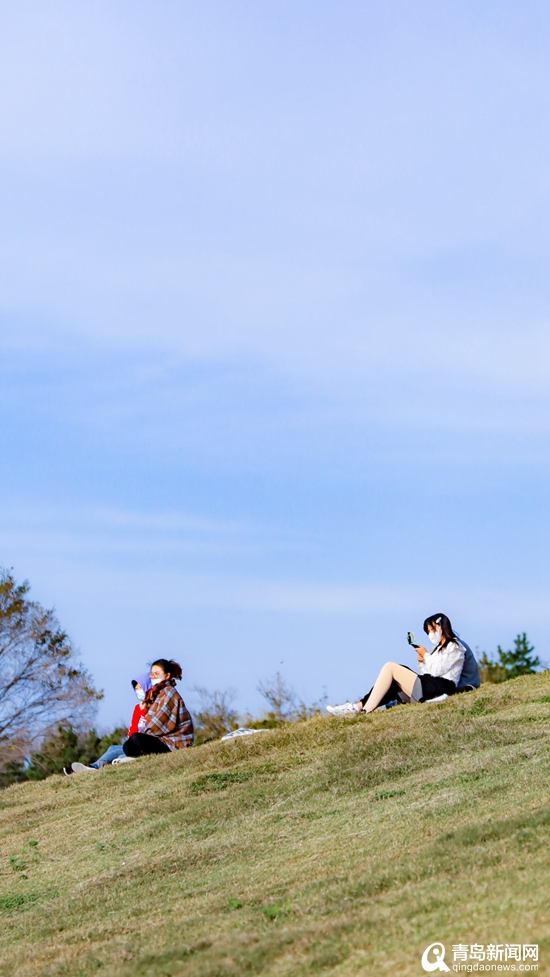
[440, 671]
[167, 724]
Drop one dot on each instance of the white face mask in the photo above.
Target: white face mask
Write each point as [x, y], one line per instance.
[140, 694]
[435, 636]
[155, 681]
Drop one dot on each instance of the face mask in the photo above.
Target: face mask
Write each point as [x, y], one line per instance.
[155, 681]
[140, 694]
[435, 636]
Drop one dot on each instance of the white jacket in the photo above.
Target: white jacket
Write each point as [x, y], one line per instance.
[444, 661]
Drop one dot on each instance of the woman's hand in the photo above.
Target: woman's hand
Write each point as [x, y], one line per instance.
[421, 651]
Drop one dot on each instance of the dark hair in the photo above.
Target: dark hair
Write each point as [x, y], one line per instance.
[444, 624]
[170, 668]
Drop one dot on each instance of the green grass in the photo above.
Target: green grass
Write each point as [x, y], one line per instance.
[335, 846]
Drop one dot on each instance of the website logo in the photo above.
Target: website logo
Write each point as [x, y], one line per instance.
[437, 962]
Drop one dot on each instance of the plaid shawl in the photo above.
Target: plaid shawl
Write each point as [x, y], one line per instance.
[166, 716]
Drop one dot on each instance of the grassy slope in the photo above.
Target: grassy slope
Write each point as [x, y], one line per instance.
[337, 846]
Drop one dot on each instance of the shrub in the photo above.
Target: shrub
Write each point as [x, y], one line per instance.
[509, 664]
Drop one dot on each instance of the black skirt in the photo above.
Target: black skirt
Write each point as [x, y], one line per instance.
[432, 686]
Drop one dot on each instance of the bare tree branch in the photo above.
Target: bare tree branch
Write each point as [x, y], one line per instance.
[41, 682]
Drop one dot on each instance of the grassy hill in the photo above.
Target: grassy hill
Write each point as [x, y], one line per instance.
[335, 846]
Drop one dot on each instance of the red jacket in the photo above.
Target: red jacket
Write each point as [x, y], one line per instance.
[136, 716]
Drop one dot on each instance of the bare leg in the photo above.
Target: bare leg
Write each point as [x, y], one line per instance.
[388, 673]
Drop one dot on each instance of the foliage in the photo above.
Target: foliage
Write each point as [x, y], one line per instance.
[41, 682]
[280, 698]
[283, 705]
[65, 746]
[59, 749]
[216, 715]
[12, 772]
[509, 664]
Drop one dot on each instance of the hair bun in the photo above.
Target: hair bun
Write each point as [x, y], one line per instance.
[175, 669]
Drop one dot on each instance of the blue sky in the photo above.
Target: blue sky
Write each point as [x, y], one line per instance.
[274, 298]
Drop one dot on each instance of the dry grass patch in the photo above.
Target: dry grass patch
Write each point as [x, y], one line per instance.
[335, 846]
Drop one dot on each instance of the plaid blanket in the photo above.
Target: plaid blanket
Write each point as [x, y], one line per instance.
[167, 717]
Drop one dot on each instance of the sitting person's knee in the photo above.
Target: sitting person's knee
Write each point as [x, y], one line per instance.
[131, 746]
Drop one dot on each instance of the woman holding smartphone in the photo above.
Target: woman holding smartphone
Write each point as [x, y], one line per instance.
[439, 669]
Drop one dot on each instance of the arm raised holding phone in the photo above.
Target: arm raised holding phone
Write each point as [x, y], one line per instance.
[420, 649]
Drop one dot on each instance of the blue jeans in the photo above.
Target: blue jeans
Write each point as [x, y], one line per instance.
[111, 753]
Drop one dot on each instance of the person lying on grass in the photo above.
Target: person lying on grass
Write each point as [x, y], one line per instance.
[167, 722]
[440, 671]
[141, 686]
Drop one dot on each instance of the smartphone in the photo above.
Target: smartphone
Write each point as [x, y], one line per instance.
[410, 639]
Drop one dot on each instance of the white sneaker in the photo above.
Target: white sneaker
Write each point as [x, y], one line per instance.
[346, 709]
[123, 759]
[78, 767]
[438, 698]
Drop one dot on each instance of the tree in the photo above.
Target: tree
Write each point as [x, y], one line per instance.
[490, 670]
[216, 715]
[284, 706]
[58, 749]
[41, 683]
[61, 748]
[280, 697]
[509, 664]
